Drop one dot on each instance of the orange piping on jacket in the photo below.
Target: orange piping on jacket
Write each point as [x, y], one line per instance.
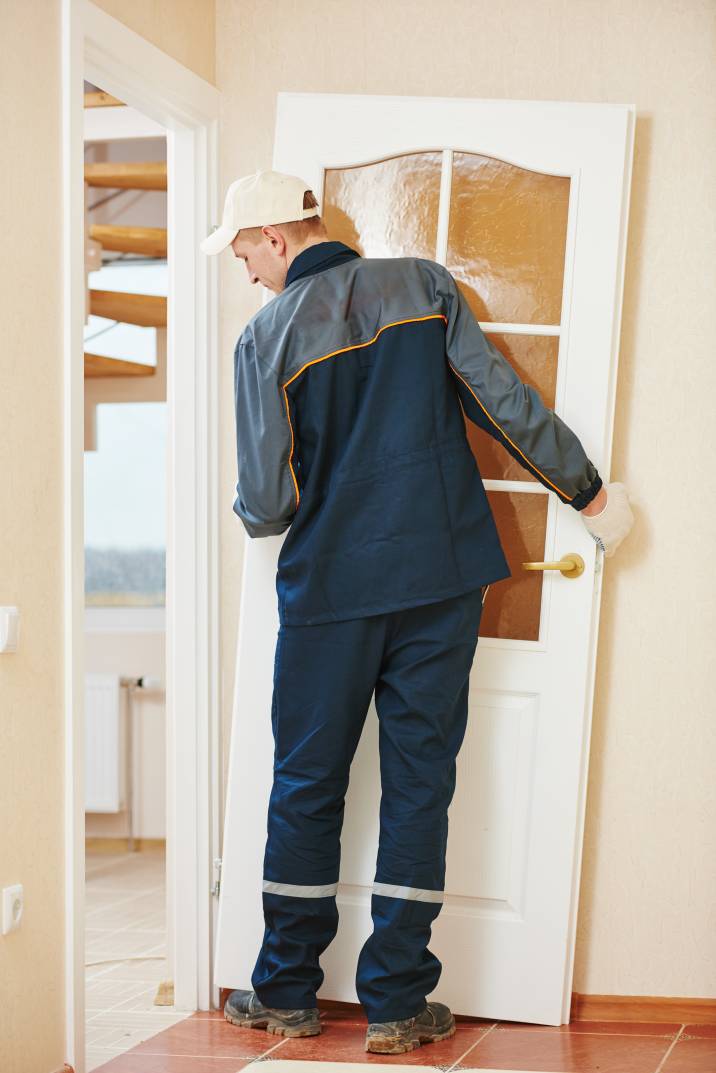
[549, 482]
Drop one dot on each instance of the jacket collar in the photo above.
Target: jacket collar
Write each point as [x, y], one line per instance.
[317, 258]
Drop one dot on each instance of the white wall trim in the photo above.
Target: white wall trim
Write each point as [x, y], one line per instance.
[103, 50]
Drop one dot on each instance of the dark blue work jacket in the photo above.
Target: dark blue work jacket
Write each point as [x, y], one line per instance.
[350, 435]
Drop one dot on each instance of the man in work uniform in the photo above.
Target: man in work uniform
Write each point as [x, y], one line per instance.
[350, 435]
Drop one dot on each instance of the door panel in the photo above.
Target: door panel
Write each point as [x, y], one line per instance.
[507, 239]
[513, 607]
[491, 189]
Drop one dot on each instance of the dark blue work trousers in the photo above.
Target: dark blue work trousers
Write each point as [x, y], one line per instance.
[418, 661]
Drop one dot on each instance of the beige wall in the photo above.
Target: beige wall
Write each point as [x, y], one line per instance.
[648, 868]
[646, 917]
[31, 499]
[182, 28]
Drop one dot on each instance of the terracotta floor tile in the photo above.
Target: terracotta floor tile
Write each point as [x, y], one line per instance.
[556, 1051]
[342, 1041]
[690, 1055]
[700, 1031]
[206, 1043]
[669, 1029]
[212, 1036]
[390, 1064]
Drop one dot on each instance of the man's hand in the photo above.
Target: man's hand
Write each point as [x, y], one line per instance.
[609, 523]
[597, 504]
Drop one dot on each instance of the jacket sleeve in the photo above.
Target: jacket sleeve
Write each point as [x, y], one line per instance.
[512, 412]
[267, 495]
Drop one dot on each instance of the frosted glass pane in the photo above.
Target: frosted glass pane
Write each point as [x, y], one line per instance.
[534, 359]
[506, 239]
[512, 606]
[385, 209]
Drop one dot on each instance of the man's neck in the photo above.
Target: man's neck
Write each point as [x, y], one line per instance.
[306, 245]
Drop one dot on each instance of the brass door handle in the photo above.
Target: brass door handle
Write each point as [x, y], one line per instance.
[571, 565]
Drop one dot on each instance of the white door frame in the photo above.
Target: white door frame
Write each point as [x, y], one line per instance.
[103, 50]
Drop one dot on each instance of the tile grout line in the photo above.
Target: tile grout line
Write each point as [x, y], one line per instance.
[115, 1008]
[259, 1058]
[630, 1035]
[131, 887]
[669, 1049]
[98, 972]
[118, 902]
[482, 1037]
[621, 1035]
[256, 1059]
[135, 895]
[129, 998]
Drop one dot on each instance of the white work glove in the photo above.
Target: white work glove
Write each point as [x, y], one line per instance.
[613, 522]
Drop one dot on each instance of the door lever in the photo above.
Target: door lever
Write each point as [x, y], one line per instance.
[571, 565]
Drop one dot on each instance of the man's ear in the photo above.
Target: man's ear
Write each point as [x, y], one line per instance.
[275, 237]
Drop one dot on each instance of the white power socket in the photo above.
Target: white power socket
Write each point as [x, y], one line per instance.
[13, 901]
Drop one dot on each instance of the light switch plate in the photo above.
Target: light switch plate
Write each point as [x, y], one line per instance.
[9, 628]
[12, 905]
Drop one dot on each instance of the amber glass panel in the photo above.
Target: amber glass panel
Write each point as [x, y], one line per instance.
[512, 606]
[534, 359]
[506, 239]
[386, 209]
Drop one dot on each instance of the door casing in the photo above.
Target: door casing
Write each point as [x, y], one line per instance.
[107, 53]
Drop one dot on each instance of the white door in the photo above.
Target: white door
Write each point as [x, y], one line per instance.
[526, 203]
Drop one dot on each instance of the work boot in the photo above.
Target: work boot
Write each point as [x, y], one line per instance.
[395, 1037]
[244, 1008]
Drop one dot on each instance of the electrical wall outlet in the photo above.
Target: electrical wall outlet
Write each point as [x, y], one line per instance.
[13, 900]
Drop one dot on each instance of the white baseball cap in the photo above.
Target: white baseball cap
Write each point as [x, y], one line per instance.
[266, 197]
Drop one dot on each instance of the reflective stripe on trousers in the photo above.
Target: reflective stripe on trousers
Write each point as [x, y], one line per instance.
[418, 662]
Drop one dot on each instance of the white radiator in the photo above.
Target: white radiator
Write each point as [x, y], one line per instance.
[102, 743]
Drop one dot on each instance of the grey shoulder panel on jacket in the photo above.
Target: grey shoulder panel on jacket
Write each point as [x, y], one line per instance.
[343, 307]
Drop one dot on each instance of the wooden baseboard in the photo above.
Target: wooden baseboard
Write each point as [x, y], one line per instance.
[662, 1008]
[104, 844]
[591, 1008]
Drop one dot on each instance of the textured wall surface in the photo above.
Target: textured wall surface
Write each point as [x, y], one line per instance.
[183, 28]
[646, 909]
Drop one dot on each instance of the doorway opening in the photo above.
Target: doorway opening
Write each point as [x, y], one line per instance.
[129, 991]
[141, 594]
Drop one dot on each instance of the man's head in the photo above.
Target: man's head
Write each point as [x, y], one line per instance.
[268, 251]
[268, 218]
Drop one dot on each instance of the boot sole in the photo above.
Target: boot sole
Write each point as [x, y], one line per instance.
[396, 1045]
[271, 1025]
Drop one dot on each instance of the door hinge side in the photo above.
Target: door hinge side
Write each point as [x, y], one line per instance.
[217, 882]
